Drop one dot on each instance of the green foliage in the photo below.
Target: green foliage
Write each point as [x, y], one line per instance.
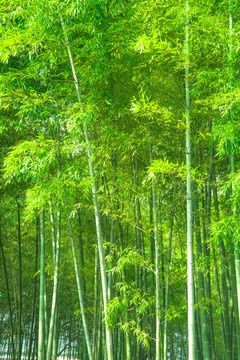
[129, 301]
[129, 59]
[129, 258]
[30, 160]
[164, 168]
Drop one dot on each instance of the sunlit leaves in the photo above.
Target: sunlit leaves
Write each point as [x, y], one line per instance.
[128, 258]
[146, 108]
[129, 301]
[164, 167]
[227, 135]
[30, 160]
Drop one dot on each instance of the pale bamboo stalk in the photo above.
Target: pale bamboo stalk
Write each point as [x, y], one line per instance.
[79, 287]
[45, 315]
[34, 292]
[95, 322]
[236, 256]
[126, 334]
[41, 339]
[8, 295]
[190, 281]
[110, 250]
[55, 337]
[137, 344]
[152, 245]
[203, 312]
[82, 261]
[20, 283]
[157, 274]
[165, 327]
[208, 290]
[96, 208]
[56, 256]
[157, 264]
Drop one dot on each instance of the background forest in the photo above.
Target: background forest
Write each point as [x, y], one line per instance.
[119, 183]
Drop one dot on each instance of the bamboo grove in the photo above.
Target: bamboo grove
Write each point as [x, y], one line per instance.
[119, 183]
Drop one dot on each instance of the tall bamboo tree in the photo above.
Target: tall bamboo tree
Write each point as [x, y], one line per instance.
[41, 332]
[191, 337]
[96, 207]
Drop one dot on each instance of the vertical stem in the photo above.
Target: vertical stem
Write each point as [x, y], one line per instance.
[56, 255]
[8, 294]
[198, 338]
[35, 291]
[55, 337]
[207, 251]
[96, 209]
[41, 344]
[233, 170]
[220, 302]
[157, 273]
[45, 315]
[82, 261]
[79, 287]
[151, 235]
[167, 289]
[203, 312]
[191, 337]
[235, 301]
[137, 344]
[126, 334]
[110, 250]
[236, 244]
[100, 247]
[20, 284]
[94, 342]
[151, 222]
[158, 323]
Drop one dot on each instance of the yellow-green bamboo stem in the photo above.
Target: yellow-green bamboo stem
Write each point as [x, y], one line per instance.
[190, 281]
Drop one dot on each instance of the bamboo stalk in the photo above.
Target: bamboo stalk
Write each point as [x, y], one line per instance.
[96, 207]
[41, 332]
[190, 281]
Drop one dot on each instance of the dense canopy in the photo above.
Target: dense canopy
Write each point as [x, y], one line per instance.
[119, 183]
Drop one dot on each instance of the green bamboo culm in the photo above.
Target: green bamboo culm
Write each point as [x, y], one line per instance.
[233, 170]
[41, 332]
[158, 295]
[56, 257]
[8, 295]
[165, 325]
[190, 279]
[157, 274]
[203, 312]
[20, 284]
[79, 287]
[96, 207]
[30, 347]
